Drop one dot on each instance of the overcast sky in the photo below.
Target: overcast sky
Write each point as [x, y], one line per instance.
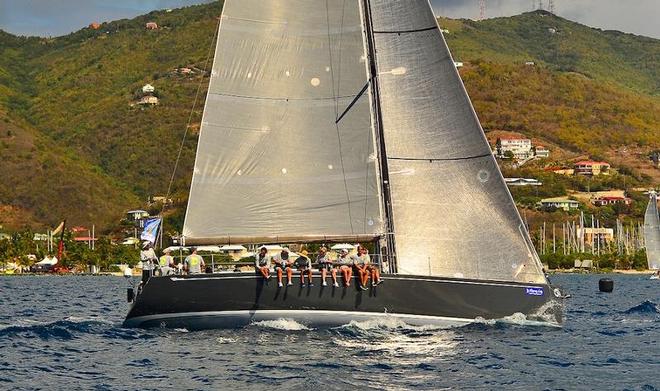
[58, 17]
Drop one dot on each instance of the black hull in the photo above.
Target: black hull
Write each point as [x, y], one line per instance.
[238, 299]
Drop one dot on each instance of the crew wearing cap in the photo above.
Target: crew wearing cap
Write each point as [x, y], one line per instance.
[149, 261]
[361, 264]
[194, 263]
[325, 264]
[304, 265]
[262, 263]
[345, 266]
[282, 264]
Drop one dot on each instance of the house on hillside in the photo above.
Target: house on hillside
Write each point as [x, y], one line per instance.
[588, 167]
[603, 201]
[541, 151]
[559, 203]
[520, 148]
[135, 215]
[148, 89]
[522, 182]
[94, 26]
[148, 101]
[152, 26]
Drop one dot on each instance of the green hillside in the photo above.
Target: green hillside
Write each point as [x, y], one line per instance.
[626, 59]
[67, 121]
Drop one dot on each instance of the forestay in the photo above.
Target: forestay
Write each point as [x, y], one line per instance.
[271, 164]
[452, 213]
[652, 233]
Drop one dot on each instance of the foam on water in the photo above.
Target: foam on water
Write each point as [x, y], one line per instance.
[281, 324]
[385, 323]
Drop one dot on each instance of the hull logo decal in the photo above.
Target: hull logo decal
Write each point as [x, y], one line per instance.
[533, 291]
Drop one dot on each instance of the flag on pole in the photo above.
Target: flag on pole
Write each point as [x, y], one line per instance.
[60, 247]
[150, 232]
[59, 229]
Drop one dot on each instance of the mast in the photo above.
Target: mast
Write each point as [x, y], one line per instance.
[380, 140]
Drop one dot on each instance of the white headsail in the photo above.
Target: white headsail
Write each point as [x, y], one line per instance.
[652, 232]
[452, 212]
[272, 165]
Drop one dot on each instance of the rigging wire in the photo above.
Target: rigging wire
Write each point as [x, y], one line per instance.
[332, 76]
[190, 116]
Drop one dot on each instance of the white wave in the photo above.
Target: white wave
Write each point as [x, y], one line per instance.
[182, 330]
[388, 322]
[437, 344]
[281, 324]
[226, 340]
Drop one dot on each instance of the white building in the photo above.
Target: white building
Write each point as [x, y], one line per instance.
[541, 151]
[560, 203]
[522, 182]
[148, 89]
[521, 148]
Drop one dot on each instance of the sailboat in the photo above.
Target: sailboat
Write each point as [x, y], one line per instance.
[652, 234]
[332, 121]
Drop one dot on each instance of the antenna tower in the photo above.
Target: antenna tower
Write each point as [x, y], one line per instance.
[482, 9]
[540, 5]
[551, 6]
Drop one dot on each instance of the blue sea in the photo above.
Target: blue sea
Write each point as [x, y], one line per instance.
[65, 333]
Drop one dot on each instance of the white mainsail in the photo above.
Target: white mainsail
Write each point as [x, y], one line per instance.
[452, 212]
[652, 232]
[272, 165]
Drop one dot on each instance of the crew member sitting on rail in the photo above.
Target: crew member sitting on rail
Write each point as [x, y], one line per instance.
[304, 265]
[283, 264]
[345, 266]
[361, 263]
[325, 264]
[194, 263]
[262, 263]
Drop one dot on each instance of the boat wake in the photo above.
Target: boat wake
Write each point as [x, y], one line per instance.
[281, 324]
[645, 308]
[394, 337]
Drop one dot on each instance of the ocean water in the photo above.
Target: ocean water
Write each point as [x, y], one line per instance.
[65, 333]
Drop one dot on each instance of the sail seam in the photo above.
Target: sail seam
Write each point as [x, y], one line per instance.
[278, 98]
[440, 159]
[406, 31]
[332, 76]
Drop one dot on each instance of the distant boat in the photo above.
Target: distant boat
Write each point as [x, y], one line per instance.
[344, 122]
[652, 233]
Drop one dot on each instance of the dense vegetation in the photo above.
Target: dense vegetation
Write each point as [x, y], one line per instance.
[72, 146]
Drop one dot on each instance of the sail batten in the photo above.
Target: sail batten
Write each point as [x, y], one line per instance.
[452, 213]
[272, 162]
